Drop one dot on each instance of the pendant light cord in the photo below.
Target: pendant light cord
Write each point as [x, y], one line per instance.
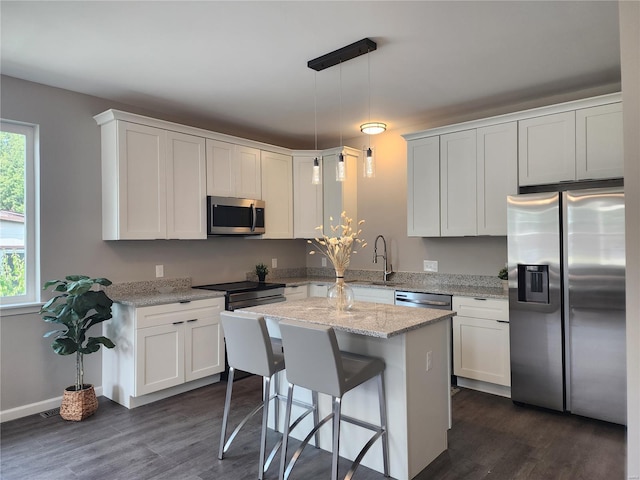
[340, 101]
[369, 81]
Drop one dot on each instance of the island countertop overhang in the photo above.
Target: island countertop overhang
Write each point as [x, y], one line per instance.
[371, 319]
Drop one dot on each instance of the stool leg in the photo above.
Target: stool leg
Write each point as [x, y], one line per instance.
[337, 403]
[225, 415]
[276, 411]
[285, 432]
[265, 418]
[316, 416]
[383, 424]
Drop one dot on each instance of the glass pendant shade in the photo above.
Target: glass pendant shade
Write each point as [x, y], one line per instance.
[340, 169]
[315, 175]
[369, 170]
[373, 128]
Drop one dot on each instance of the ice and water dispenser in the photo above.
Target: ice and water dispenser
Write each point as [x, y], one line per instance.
[533, 283]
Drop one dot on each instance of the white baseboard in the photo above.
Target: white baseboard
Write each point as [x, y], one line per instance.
[485, 387]
[34, 408]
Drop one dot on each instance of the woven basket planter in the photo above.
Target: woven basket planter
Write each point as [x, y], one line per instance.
[78, 405]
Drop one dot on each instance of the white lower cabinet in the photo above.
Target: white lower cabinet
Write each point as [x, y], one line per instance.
[374, 295]
[296, 292]
[160, 347]
[318, 289]
[481, 341]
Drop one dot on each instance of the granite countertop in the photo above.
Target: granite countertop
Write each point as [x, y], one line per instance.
[158, 298]
[446, 289]
[158, 292]
[372, 319]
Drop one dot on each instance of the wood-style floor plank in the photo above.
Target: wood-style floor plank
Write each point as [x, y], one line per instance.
[177, 439]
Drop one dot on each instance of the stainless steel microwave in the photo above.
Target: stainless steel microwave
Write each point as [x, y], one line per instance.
[234, 216]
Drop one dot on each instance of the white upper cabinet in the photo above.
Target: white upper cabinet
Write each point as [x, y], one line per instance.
[233, 170]
[547, 149]
[423, 187]
[152, 183]
[307, 198]
[458, 176]
[186, 187]
[599, 151]
[458, 184]
[277, 192]
[134, 182]
[497, 175]
[340, 196]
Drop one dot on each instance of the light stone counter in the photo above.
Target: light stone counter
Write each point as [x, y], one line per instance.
[157, 292]
[414, 344]
[371, 319]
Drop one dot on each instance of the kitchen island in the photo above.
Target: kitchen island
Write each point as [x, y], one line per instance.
[414, 344]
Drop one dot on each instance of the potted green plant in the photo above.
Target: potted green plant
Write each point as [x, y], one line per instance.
[503, 275]
[261, 271]
[76, 308]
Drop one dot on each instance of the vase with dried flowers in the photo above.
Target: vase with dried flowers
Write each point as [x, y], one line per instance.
[338, 249]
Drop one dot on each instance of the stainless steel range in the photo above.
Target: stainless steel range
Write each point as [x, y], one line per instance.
[246, 294]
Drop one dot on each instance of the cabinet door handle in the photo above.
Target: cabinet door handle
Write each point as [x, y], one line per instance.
[481, 299]
[192, 320]
[177, 323]
[502, 321]
[184, 301]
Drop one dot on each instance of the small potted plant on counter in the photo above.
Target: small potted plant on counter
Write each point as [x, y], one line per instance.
[261, 271]
[76, 309]
[503, 275]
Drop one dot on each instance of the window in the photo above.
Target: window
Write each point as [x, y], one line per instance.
[19, 246]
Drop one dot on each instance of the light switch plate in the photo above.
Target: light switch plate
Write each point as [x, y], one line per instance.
[274, 263]
[430, 266]
[159, 271]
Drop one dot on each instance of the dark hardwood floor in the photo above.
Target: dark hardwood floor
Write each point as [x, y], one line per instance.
[177, 439]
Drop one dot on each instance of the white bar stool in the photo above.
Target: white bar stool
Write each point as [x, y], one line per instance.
[250, 348]
[315, 362]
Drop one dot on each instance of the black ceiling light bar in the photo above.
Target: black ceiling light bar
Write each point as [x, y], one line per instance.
[343, 54]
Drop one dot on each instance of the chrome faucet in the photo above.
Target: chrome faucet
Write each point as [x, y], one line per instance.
[388, 268]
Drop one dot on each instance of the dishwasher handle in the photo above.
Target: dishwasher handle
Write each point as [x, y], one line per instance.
[431, 303]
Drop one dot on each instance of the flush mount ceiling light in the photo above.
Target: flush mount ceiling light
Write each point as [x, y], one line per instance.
[373, 128]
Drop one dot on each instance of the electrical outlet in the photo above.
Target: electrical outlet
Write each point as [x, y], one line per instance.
[324, 261]
[429, 360]
[430, 266]
[159, 271]
[274, 263]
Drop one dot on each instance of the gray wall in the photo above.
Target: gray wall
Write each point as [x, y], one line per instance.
[71, 238]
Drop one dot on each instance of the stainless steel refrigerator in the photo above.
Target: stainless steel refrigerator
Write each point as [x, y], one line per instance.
[567, 301]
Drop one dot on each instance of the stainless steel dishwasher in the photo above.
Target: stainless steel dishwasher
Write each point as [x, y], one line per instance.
[423, 300]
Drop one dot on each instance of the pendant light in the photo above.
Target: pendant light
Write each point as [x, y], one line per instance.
[371, 128]
[361, 47]
[315, 175]
[341, 172]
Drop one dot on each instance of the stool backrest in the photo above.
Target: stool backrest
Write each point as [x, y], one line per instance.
[248, 343]
[313, 357]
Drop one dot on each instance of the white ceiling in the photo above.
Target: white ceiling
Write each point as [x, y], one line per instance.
[243, 65]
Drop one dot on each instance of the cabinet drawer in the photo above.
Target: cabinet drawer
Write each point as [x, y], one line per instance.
[374, 295]
[296, 292]
[176, 312]
[490, 308]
